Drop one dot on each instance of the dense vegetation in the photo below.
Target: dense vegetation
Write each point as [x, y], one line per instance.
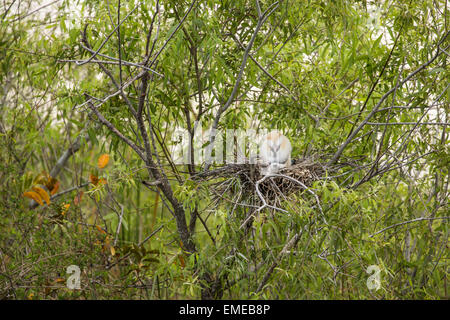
[92, 91]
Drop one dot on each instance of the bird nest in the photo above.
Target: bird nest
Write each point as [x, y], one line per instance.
[244, 182]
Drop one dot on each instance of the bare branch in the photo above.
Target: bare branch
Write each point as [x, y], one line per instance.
[287, 247]
[109, 35]
[338, 154]
[227, 104]
[407, 222]
[114, 130]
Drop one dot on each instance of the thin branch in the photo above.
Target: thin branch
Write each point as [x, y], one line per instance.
[173, 33]
[406, 222]
[118, 225]
[227, 104]
[291, 94]
[114, 130]
[109, 35]
[32, 12]
[123, 62]
[287, 247]
[340, 150]
[408, 123]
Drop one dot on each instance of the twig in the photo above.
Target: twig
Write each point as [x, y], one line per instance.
[114, 130]
[139, 244]
[408, 123]
[32, 12]
[109, 36]
[123, 62]
[173, 33]
[338, 153]
[118, 225]
[227, 104]
[290, 244]
[406, 222]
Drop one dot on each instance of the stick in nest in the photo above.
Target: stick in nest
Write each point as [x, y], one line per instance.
[266, 192]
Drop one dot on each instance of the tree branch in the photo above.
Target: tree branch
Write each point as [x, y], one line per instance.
[338, 154]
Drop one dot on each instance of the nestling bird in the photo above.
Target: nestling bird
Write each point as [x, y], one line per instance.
[274, 152]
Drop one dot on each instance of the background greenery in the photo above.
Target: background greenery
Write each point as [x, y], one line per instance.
[315, 70]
